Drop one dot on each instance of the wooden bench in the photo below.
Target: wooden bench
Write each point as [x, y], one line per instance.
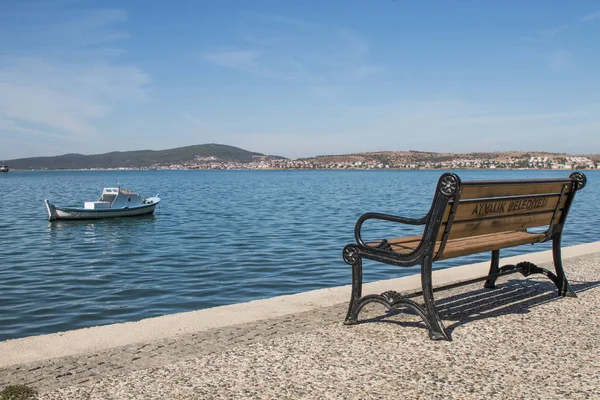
[467, 218]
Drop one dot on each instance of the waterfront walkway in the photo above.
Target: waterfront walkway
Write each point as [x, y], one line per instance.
[520, 341]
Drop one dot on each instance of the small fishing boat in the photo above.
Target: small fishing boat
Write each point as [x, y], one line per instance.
[114, 202]
[3, 167]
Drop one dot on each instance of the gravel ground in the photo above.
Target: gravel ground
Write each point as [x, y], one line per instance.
[520, 341]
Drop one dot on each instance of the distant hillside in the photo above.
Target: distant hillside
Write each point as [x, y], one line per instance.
[218, 156]
[141, 158]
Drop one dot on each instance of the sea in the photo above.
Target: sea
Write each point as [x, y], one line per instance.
[217, 237]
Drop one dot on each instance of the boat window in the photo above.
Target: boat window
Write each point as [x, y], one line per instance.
[108, 197]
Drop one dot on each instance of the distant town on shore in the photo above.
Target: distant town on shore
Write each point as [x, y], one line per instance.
[217, 156]
[396, 161]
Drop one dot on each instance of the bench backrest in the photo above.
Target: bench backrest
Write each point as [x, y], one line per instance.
[473, 208]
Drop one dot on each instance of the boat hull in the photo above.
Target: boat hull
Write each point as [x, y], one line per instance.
[67, 213]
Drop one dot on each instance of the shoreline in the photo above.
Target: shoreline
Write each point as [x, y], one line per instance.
[99, 338]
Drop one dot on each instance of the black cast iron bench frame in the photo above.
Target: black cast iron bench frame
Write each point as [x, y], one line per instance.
[501, 212]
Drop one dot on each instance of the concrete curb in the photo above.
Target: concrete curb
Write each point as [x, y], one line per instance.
[96, 339]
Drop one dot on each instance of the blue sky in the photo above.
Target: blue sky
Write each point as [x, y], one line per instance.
[299, 78]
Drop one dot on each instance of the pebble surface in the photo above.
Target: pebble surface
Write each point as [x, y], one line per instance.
[519, 341]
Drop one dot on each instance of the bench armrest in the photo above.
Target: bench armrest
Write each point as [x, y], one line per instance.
[384, 217]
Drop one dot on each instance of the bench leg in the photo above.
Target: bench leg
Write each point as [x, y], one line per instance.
[433, 321]
[564, 289]
[352, 257]
[494, 268]
[392, 299]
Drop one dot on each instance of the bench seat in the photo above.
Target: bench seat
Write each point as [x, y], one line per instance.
[467, 245]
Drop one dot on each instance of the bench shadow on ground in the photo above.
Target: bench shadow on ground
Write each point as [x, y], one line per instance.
[514, 296]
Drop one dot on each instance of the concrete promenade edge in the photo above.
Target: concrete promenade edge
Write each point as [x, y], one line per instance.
[96, 339]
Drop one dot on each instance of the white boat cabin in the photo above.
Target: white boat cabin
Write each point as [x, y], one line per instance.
[115, 198]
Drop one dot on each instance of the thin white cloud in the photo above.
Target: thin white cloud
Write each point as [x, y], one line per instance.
[353, 45]
[63, 84]
[547, 33]
[529, 39]
[94, 27]
[49, 108]
[590, 17]
[65, 97]
[241, 60]
[280, 19]
[261, 64]
[553, 31]
[10, 125]
[364, 71]
[195, 120]
[316, 54]
[560, 60]
[516, 118]
[325, 91]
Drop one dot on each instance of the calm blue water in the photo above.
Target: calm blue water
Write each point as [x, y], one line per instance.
[219, 237]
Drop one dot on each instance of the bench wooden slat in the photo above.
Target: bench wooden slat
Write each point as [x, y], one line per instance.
[481, 190]
[512, 223]
[467, 245]
[474, 209]
[496, 241]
